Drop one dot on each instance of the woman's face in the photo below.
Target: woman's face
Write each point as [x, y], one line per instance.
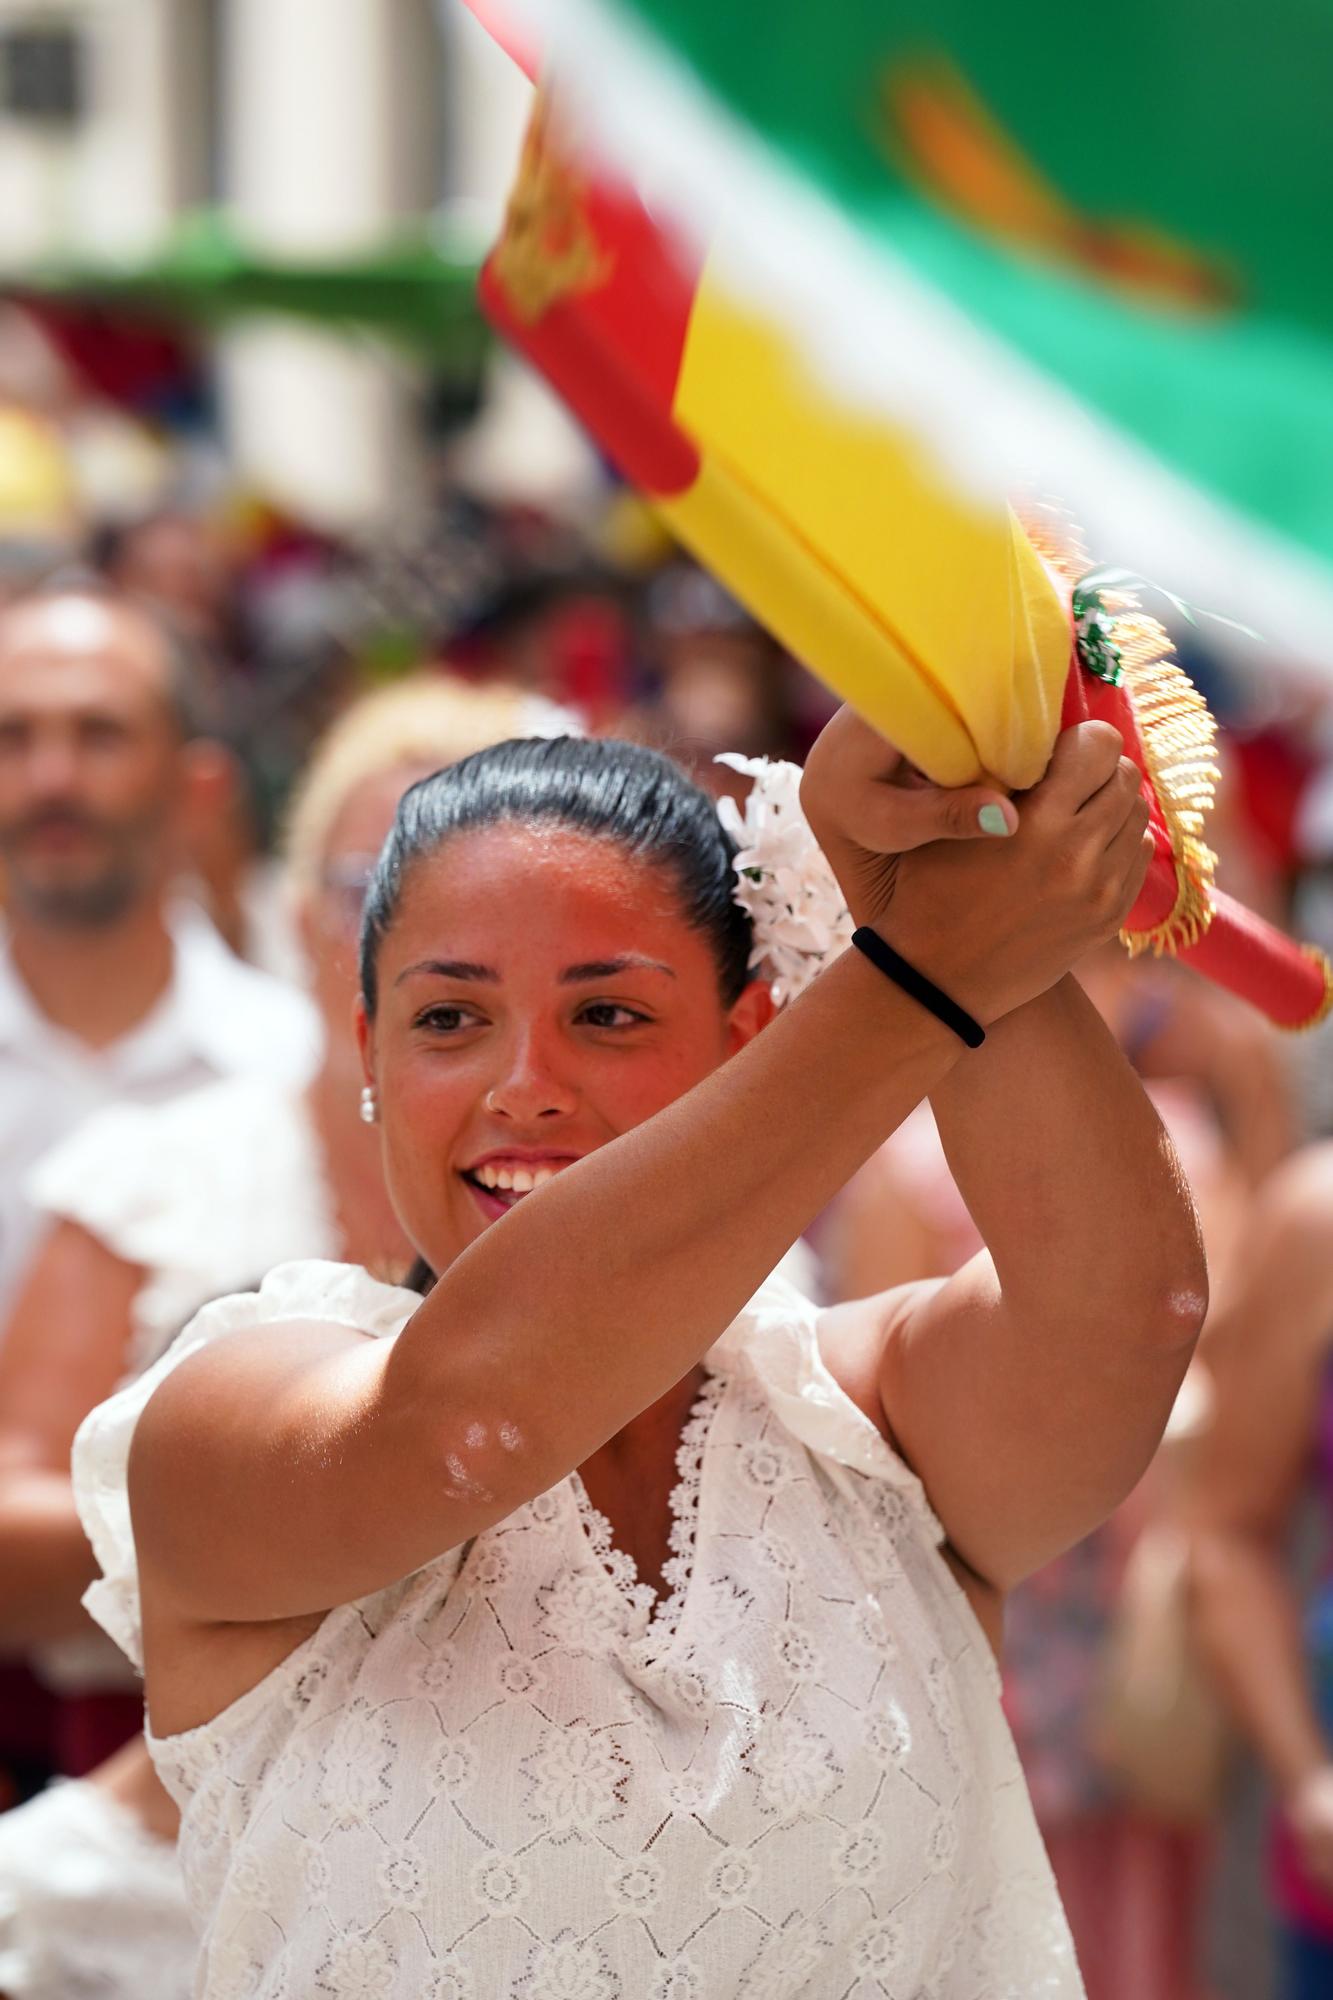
[540, 992]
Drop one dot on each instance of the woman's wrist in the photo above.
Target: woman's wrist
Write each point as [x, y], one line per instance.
[889, 1018]
[909, 978]
[948, 957]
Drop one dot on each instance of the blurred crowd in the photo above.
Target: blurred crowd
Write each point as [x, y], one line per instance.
[208, 711]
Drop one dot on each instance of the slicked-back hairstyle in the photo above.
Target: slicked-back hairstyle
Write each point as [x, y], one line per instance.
[621, 792]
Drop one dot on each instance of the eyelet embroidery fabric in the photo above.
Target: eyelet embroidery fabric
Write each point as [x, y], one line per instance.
[503, 1779]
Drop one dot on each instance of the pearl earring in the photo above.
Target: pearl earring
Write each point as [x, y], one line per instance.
[369, 1108]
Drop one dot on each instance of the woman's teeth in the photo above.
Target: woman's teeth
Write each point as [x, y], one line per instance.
[513, 1180]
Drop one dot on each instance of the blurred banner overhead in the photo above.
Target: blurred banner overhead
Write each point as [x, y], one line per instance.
[1078, 248]
[412, 290]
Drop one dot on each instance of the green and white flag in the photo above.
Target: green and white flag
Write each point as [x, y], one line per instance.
[1081, 251]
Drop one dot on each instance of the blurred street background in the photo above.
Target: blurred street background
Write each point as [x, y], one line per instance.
[339, 492]
[243, 376]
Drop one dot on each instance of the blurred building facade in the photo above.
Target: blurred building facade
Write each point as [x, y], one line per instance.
[318, 125]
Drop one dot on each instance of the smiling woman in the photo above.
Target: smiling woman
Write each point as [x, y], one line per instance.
[609, 1621]
[556, 847]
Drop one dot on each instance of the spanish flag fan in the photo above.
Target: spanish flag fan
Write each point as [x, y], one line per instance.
[963, 633]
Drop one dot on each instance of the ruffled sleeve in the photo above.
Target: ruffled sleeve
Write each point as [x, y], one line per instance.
[205, 1193]
[777, 1339]
[337, 1294]
[94, 1177]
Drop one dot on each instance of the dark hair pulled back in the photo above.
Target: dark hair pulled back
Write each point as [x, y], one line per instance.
[611, 790]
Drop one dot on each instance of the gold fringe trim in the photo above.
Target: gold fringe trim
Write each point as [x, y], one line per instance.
[1325, 1007]
[1056, 537]
[1179, 739]
[1178, 736]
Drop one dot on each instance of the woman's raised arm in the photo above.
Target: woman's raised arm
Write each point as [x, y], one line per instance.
[1031, 1390]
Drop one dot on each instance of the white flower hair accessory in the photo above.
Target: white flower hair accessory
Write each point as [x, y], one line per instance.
[783, 882]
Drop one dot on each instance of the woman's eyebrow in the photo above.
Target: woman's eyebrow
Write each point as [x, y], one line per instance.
[607, 968]
[450, 968]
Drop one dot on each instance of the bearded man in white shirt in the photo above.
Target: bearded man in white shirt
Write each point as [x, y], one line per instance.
[110, 986]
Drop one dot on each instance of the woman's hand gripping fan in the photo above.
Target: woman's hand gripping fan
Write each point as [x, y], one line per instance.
[994, 920]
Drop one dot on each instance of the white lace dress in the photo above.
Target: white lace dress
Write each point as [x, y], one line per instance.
[512, 1776]
[206, 1193]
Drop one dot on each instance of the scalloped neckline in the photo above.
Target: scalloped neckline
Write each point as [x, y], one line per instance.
[654, 1615]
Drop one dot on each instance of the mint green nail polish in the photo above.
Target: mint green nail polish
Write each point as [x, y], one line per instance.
[991, 819]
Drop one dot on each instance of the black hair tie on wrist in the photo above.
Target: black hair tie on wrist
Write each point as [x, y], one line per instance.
[915, 983]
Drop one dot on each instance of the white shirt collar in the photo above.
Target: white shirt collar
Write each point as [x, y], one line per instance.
[235, 1019]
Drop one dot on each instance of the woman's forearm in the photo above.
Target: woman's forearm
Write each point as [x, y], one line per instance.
[557, 1326]
[1068, 1174]
[1249, 1625]
[46, 1563]
[593, 1297]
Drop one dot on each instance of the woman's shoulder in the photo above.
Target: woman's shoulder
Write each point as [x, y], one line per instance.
[336, 1294]
[313, 1292]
